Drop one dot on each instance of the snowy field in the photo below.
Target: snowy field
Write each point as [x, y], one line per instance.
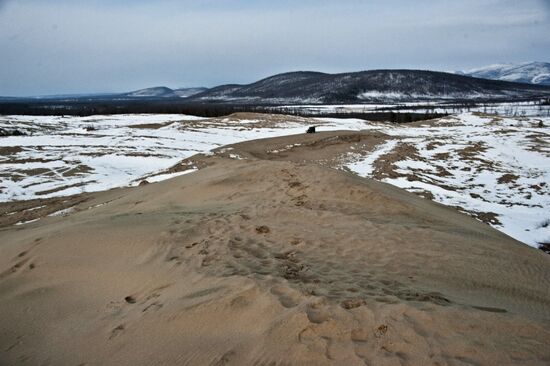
[60, 156]
[494, 168]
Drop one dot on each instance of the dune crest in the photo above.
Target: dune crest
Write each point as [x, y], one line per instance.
[262, 262]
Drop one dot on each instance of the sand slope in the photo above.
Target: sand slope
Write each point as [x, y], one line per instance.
[266, 262]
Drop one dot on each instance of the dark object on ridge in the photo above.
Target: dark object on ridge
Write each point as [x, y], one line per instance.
[311, 129]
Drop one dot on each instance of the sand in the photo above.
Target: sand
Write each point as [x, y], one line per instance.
[275, 259]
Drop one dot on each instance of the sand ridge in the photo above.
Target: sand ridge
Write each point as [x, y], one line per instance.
[269, 261]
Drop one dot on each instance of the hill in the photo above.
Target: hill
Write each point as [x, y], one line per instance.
[163, 92]
[369, 86]
[527, 72]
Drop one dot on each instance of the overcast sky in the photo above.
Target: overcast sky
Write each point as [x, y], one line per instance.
[76, 46]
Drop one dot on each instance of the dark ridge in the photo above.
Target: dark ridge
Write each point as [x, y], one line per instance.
[370, 86]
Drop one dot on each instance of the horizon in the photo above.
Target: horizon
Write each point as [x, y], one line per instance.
[61, 47]
[99, 93]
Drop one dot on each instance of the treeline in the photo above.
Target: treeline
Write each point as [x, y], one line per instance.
[93, 107]
[88, 108]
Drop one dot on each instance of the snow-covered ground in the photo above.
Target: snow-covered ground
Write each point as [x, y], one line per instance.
[496, 169]
[68, 155]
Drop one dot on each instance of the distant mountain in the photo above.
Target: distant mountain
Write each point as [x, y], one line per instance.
[527, 72]
[155, 92]
[164, 92]
[369, 86]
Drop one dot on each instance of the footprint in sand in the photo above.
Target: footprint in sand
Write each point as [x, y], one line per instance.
[208, 259]
[116, 331]
[359, 335]
[381, 331]
[317, 313]
[153, 306]
[288, 255]
[288, 297]
[294, 184]
[175, 258]
[490, 309]
[189, 246]
[262, 229]
[300, 200]
[225, 359]
[15, 268]
[352, 303]
[130, 299]
[315, 342]
[20, 264]
[296, 241]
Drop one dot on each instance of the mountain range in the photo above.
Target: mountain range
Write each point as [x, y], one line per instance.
[164, 92]
[525, 81]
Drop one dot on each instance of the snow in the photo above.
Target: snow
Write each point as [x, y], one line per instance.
[63, 212]
[60, 157]
[516, 147]
[161, 177]
[375, 94]
[363, 166]
[25, 222]
[236, 157]
[541, 78]
[525, 72]
[287, 147]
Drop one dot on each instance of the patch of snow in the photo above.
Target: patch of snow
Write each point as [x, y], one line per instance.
[25, 222]
[161, 177]
[63, 212]
[236, 157]
[364, 165]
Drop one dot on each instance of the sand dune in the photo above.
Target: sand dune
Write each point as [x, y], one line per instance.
[274, 259]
